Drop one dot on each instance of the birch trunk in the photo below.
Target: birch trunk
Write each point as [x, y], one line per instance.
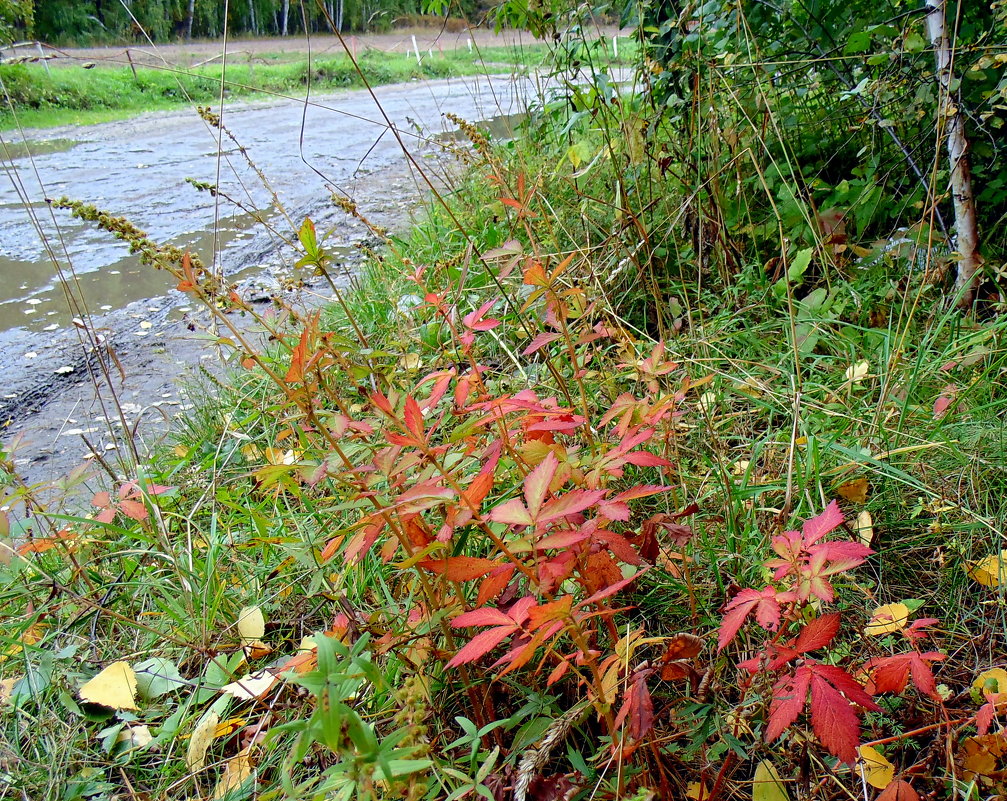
[286, 13]
[189, 14]
[970, 261]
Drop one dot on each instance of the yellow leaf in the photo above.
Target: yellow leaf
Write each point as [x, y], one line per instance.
[6, 689]
[114, 687]
[250, 687]
[251, 624]
[865, 527]
[855, 490]
[886, 619]
[877, 771]
[767, 784]
[236, 772]
[696, 791]
[991, 681]
[135, 737]
[229, 726]
[983, 756]
[199, 742]
[856, 373]
[990, 571]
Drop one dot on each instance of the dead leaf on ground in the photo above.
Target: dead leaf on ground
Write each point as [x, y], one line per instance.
[199, 741]
[114, 687]
[854, 491]
[981, 758]
[251, 687]
[991, 571]
[875, 768]
[886, 619]
[237, 771]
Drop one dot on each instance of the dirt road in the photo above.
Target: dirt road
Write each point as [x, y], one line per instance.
[139, 168]
[295, 48]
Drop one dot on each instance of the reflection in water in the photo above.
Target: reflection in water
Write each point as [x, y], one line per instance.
[37, 301]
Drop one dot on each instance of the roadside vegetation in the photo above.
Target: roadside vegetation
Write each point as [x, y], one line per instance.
[659, 460]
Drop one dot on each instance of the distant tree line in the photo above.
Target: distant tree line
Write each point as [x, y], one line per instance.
[86, 21]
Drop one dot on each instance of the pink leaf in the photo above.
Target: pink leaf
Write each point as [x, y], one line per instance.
[482, 617]
[511, 513]
[537, 482]
[481, 644]
[817, 527]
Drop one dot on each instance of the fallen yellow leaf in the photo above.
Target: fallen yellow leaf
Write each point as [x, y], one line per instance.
[876, 770]
[991, 571]
[114, 687]
[886, 619]
[236, 772]
[251, 687]
[993, 680]
[865, 527]
[251, 624]
[199, 742]
[855, 490]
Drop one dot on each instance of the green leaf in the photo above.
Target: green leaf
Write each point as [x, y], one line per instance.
[767, 784]
[157, 676]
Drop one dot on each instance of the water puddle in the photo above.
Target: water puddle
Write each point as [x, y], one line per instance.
[500, 128]
[20, 150]
[40, 308]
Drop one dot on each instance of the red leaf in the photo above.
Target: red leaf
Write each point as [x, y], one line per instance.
[818, 633]
[134, 509]
[891, 674]
[539, 342]
[646, 459]
[834, 719]
[641, 491]
[620, 546]
[494, 584]
[941, 405]
[297, 360]
[481, 644]
[765, 602]
[478, 489]
[460, 568]
[899, 790]
[563, 539]
[486, 616]
[413, 418]
[102, 499]
[789, 696]
[610, 590]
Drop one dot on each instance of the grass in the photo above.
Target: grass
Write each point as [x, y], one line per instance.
[784, 397]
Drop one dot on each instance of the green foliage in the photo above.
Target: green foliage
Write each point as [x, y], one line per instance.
[16, 19]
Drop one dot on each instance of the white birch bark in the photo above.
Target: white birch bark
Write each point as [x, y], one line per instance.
[970, 261]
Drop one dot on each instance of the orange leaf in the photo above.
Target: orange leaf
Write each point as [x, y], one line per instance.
[460, 568]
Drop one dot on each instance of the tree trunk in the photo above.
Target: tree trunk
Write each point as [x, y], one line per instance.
[969, 260]
[251, 18]
[285, 14]
[189, 14]
[339, 15]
